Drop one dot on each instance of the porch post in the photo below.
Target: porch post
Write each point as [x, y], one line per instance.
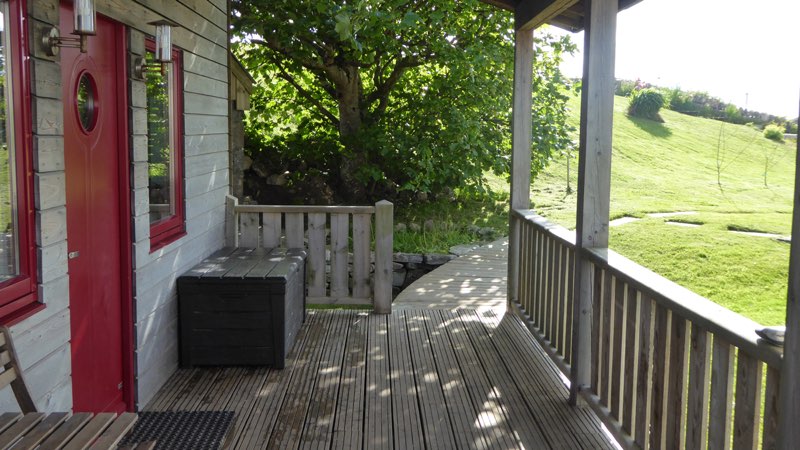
[789, 406]
[594, 174]
[520, 150]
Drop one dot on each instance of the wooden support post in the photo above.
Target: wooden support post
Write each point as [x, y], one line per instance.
[231, 221]
[594, 174]
[384, 242]
[520, 150]
[789, 406]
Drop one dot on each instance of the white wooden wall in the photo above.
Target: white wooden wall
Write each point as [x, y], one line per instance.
[43, 339]
[205, 59]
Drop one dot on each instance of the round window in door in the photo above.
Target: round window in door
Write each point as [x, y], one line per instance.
[86, 102]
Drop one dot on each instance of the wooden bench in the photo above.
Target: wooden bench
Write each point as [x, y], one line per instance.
[30, 429]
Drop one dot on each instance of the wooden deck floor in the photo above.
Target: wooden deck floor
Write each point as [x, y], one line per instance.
[476, 281]
[413, 379]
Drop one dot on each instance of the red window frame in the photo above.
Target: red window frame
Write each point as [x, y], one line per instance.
[172, 228]
[18, 296]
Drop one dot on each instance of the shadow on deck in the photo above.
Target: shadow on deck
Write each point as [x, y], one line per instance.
[413, 379]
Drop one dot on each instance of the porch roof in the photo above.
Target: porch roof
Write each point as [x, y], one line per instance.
[566, 14]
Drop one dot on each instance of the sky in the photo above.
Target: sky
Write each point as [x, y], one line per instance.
[742, 52]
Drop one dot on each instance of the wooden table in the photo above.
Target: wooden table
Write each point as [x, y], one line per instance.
[66, 431]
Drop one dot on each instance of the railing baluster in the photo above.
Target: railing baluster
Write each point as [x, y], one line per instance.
[523, 265]
[606, 351]
[543, 287]
[569, 303]
[597, 325]
[772, 395]
[630, 372]
[339, 246]
[249, 228]
[548, 292]
[537, 281]
[748, 402]
[295, 230]
[271, 230]
[699, 389]
[362, 236]
[644, 375]
[660, 378]
[721, 404]
[619, 347]
[561, 257]
[315, 263]
[676, 394]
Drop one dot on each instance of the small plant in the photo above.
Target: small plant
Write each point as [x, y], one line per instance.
[646, 103]
[774, 132]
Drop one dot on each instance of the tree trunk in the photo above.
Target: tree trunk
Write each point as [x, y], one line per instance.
[349, 91]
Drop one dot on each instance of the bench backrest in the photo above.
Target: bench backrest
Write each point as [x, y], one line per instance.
[12, 373]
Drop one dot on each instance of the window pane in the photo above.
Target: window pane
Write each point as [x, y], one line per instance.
[9, 265]
[159, 148]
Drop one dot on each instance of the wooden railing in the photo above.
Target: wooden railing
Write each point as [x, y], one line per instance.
[342, 267]
[669, 368]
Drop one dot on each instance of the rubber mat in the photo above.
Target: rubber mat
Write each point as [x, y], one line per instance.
[178, 430]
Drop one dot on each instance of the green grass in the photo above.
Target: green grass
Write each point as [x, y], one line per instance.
[451, 222]
[674, 167]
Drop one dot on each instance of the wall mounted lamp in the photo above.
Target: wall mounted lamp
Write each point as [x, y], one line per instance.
[163, 50]
[85, 25]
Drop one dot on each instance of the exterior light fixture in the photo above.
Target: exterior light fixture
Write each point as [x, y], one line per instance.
[163, 51]
[85, 25]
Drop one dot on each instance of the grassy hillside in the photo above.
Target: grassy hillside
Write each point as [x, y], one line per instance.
[694, 164]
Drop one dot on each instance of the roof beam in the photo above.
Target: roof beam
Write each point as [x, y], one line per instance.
[531, 14]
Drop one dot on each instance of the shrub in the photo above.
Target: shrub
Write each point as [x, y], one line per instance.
[624, 88]
[774, 132]
[646, 103]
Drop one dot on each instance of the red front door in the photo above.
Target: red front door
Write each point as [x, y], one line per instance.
[94, 151]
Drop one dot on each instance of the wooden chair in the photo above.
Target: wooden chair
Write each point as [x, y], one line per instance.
[30, 429]
[12, 373]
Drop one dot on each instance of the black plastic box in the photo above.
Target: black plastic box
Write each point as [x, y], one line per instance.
[241, 307]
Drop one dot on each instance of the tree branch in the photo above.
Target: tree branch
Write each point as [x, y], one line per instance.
[279, 49]
[321, 109]
[385, 86]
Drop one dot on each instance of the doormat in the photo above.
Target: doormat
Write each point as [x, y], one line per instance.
[178, 430]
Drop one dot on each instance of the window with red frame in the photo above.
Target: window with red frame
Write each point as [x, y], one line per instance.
[165, 149]
[17, 245]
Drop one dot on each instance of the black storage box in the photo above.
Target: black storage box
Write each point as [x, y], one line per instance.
[242, 307]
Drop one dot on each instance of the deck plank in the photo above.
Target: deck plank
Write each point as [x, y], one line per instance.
[348, 430]
[540, 384]
[463, 415]
[288, 430]
[411, 380]
[520, 417]
[493, 416]
[378, 408]
[437, 430]
[319, 422]
[405, 408]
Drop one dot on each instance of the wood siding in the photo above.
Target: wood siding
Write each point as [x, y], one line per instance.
[202, 37]
[43, 339]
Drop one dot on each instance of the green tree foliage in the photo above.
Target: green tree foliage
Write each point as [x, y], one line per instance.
[646, 103]
[388, 96]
